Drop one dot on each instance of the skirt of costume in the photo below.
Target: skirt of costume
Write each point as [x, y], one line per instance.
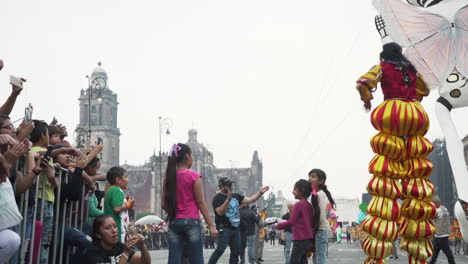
[400, 169]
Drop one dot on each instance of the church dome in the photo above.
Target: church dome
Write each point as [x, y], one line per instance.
[193, 143]
[99, 72]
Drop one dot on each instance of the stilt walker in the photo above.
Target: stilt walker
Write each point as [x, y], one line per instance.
[400, 167]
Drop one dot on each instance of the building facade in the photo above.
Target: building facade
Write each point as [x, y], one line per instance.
[98, 113]
[442, 176]
[247, 180]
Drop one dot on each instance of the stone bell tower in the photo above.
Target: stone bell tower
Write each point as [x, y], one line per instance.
[98, 117]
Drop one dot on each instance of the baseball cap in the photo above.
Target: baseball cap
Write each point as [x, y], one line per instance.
[225, 182]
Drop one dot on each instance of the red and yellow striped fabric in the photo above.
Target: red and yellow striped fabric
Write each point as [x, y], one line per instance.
[418, 210]
[385, 167]
[392, 147]
[376, 249]
[418, 168]
[380, 228]
[401, 154]
[417, 188]
[418, 147]
[384, 186]
[384, 207]
[400, 118]
[416, 229]
[418, 250]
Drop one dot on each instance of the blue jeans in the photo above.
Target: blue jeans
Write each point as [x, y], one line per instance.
[231, 237]
[321, 247]
[287, 246]
[185, 231]
[47, 222]
[251, 248]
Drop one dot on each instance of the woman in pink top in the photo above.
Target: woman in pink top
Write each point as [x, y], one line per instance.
[302, 223]
[183, 200]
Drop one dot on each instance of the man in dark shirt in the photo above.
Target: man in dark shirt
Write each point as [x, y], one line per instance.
[227, 218]
[247, 228]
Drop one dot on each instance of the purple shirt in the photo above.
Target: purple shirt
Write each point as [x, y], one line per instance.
[186, 203]
[300, 221]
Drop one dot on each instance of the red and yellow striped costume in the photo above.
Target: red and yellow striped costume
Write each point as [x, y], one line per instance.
[399, 168]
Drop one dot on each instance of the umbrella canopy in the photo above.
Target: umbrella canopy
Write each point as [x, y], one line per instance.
[150, 220]
[434, 44]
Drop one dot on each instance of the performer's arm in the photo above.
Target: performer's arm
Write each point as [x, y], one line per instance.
[367, 83]
[422, 88]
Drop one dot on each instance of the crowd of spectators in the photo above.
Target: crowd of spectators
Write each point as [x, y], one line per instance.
[51, 209]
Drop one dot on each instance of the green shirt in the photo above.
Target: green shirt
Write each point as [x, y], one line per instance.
[49, 190]
[115, 197]
[93, 211]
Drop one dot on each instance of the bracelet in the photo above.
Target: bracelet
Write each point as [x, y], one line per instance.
[261, 193]
[124, 255]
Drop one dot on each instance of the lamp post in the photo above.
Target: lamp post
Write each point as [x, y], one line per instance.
[165, 123]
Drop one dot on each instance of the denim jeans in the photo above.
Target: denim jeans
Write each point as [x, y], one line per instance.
[251, 248]
[231, 237]
[185, 231]
[321, 247]
[287, 246]
[47, 222]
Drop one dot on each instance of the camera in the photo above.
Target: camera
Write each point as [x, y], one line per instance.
[28, 111]
[17, 81]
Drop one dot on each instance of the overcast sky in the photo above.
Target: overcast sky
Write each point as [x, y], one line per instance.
[273, 76]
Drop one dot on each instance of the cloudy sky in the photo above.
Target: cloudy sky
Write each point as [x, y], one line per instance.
[273, 76]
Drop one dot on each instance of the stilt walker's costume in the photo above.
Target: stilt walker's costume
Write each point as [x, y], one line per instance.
[400, 167]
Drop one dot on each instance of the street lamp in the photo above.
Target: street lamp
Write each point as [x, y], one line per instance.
[164, 124]
[98, 84]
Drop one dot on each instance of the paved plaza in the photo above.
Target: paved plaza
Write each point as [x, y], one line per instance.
[338, 254]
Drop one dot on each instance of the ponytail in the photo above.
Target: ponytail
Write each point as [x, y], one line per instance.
[324, 188]
[316, 207]
[177, 155]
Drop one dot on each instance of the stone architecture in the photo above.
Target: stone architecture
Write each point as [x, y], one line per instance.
[103, 118]
[248, 180]
[140, 185]
[442, 175]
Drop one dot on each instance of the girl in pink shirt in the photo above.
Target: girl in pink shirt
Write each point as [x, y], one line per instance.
[183, 200]
[302, 223]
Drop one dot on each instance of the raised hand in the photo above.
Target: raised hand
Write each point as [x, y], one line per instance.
[367, 105]
[264, 189]
[25, 129]
[7, 140]
[14, 153]
[81, 163]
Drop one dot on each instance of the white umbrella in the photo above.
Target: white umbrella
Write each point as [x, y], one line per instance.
[149, 219]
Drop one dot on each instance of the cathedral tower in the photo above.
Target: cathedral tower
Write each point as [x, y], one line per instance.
[98, 104]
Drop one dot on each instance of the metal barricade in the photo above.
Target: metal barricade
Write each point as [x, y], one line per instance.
[66, 214]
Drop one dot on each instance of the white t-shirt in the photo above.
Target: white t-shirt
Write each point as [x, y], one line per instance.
[323, 203]
[10, 215]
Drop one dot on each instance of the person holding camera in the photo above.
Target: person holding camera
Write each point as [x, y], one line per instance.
[227, 219]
